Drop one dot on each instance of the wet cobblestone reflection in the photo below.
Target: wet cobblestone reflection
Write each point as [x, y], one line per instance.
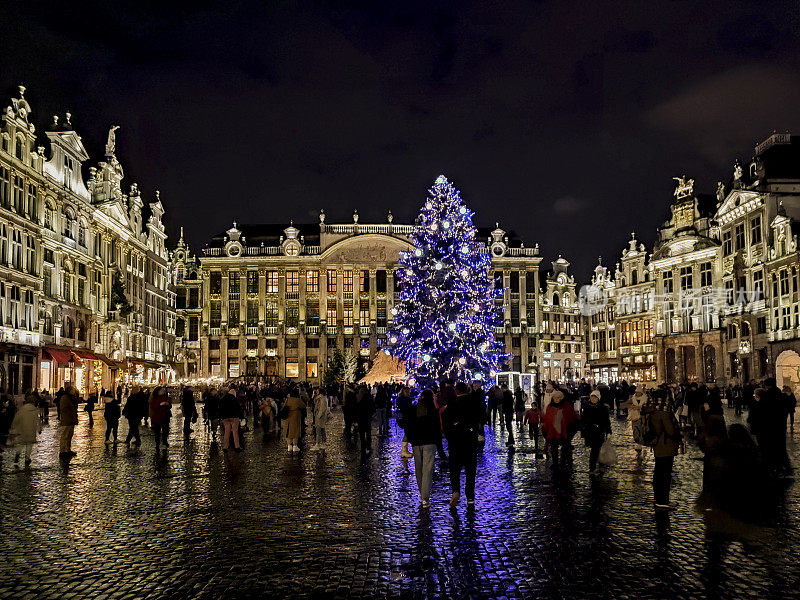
[122, 523]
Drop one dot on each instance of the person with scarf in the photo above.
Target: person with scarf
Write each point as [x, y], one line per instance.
[559, 425]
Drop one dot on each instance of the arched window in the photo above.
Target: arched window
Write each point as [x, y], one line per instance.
[634, 277]
[48, 324]
[709, 363]
[69, 223]
[49, 216]
[565, 300]
[82, 233]
[81, 331]
[556, 300]
[68, 328]
[19, 146]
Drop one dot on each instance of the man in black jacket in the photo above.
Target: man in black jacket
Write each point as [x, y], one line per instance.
[133, 412]
[508, 413]
[464, 417]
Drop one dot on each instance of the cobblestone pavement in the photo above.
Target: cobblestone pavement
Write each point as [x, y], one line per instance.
[120, 523]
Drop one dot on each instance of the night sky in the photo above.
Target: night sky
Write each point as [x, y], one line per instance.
[564, 121]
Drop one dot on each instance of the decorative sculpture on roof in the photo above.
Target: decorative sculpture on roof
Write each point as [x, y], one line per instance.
[684, 187]
[111, 143]
[737, 170]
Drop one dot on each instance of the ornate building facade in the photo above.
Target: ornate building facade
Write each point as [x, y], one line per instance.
[275, 301]
[562, 343]
[87, 291]
[600, 325]
[721, 287]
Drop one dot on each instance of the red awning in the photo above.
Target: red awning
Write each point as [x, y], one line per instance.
[62, 356]
[86, 354]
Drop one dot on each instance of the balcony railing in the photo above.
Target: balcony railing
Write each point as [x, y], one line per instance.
[312, 329]
[270, 330]
[252, 330]
[522, 252]
[214, 330]
[351, 228]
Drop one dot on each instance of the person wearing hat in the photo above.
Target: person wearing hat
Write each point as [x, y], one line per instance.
[560, 422]
[595, 426]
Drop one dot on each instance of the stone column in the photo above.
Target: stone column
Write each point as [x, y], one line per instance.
[323, 296]
[389, 293]
[699, 359]
[301, 338]
[301, 276]
[322, 352]
[281, 350]
[373, 313]
[339, 309]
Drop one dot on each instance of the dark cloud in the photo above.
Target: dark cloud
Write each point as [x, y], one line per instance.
[268, 111]
[568, 205]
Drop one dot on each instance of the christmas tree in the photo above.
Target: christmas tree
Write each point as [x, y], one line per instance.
[443, 325]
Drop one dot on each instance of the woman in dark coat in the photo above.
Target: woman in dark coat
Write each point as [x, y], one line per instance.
[595, 426]
[424, 432]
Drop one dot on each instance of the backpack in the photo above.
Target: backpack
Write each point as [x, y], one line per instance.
[643, 432]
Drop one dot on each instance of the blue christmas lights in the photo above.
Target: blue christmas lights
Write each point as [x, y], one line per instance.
[443, 326]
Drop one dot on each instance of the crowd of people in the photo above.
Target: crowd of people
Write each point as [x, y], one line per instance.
[552, 415]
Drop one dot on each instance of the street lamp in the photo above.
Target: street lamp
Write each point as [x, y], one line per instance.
[71, 366]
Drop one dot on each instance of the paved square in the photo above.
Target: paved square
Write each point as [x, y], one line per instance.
[120, 523]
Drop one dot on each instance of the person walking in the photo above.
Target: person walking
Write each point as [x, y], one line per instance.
[294, 407]
[595, 426]
[520, 400]
[8, 410]
[349, 409]
[188, 410]
[381, 404]
[547, 396]
[424, 432]
[322, 414]
[211, 412]
[668, 441]
[495, 404]
[404, 407]
[267, 408]
[533, 417]
[111, 414]
[634, 405]
[230, 412]
[464, 418]
[133, 412]
[69, 419]
[559, 424]
[508, 413]
[790, 401]
[365, 409]
[768, 424]
[160, 413]
[43, 404]
[89, 407]
[24, 428]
